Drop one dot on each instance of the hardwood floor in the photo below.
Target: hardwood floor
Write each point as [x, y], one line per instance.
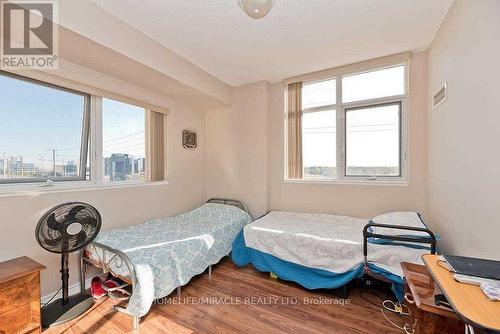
[242, 300]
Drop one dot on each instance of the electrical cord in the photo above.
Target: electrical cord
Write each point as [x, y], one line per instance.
[406, 328]
[444, 264]
[397, 308]
[393, 307]
[53, 296]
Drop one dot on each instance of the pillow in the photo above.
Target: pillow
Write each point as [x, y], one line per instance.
[410, 219]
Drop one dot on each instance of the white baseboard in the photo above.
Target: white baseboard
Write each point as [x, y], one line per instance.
[72, 290]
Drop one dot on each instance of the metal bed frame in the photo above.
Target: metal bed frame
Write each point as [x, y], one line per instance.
[431, 240]
[232, 202]
[103, 262]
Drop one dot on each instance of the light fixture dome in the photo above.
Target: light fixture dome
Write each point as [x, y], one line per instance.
[256, 9]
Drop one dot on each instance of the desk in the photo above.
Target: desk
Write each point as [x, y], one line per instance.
[467, 300]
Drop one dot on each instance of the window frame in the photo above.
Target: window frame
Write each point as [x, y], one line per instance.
[99, 168]
[93, 120]
[328, 108]
[85, 135]
[340, 107]
[399, 103]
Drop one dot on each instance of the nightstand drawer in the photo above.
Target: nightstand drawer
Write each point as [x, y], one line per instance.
[20, 296]
[16, 320]
[14, 295]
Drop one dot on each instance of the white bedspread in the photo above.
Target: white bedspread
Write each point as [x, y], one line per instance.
[330, 242]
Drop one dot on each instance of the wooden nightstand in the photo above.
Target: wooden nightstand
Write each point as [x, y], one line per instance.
[20, 296]
[420, 292]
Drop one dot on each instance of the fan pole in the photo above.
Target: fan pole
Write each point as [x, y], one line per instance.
[65, 277]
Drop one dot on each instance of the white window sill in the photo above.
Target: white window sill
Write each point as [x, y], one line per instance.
[377, 182]
[30, 189]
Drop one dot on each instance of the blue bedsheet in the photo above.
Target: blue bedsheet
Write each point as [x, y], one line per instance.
[310, 278]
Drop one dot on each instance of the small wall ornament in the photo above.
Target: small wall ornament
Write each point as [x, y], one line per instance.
[189, 139]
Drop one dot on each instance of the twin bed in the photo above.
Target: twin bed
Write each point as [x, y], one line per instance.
[160, 255]
[314, 250]
[328, 251]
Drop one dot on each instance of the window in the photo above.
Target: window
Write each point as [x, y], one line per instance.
[124, 144]
[374, 84]
[50, 134]
[319, 144]
[373, 140]
[44, 132]
[319, 129]
[353, 126]
[319, 94]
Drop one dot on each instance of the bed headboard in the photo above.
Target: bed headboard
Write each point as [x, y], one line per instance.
[232, 202]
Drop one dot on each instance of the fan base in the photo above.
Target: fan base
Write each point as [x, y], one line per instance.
[56, 313]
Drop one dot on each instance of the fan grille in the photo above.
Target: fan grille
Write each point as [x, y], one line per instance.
[68, 227]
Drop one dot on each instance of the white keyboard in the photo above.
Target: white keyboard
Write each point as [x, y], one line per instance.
[473, 279]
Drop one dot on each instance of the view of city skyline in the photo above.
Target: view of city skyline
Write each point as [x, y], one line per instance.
[48, 144]
[51, 119]
[124, 144]
[116, 167]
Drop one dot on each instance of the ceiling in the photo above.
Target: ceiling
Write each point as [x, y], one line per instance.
[296, 37]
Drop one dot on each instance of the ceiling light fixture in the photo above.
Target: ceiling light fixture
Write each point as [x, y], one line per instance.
[256, 9]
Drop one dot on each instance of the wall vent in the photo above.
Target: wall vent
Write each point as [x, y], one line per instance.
[439, 97]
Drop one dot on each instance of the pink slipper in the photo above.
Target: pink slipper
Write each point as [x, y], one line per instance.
[96, 288]
[115, 289]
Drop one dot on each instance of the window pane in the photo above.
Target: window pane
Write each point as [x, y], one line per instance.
[124, 145]
[373, 141]
[319, 94]
[319, 144]
[40, 132]
[375, 84]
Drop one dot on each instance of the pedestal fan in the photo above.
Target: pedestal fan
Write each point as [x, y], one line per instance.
[64, 229]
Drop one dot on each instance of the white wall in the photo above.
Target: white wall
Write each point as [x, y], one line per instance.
[355, 200]
[237, 148]
[464, 159]
[119, 207]
[245, 157]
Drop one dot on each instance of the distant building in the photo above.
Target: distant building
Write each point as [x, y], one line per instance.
[19, 168]
[140, 165]
[107, 166]
[16, 167]
[69, 169]
[120, 166]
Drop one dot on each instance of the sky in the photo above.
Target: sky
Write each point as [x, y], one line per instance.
[372, 134]
[123, 128]
[35, 119]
